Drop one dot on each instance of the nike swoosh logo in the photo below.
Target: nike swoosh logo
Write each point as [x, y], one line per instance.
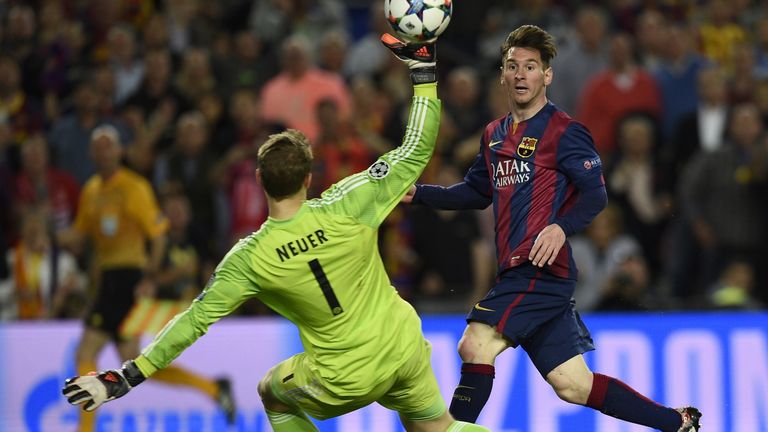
[493, 143]
[463, 386]
[478, 307]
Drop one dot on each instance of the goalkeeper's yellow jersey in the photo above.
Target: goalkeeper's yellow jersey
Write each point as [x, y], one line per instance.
[321, 269]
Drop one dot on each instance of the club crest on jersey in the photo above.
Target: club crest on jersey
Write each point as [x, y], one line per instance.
[526, 147]
[379, 170]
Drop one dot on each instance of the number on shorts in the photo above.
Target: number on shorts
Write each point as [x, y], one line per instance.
[325, 285]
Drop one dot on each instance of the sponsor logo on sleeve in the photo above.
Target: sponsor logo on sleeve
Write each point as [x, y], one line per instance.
[592, 163]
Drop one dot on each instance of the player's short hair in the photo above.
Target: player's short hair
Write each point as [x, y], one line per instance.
[534, 37]
[285, 160]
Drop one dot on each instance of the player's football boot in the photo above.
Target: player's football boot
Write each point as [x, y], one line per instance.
[691, 417]
[225, 400]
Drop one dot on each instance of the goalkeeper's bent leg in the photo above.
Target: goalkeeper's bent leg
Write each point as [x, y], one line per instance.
[294, 421]
[87, 419]
[457, 426]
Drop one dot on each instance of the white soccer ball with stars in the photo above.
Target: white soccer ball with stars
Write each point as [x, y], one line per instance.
[418, 20]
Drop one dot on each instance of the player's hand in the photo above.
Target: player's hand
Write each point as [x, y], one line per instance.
[420, 58]
[547, 245]
[408, 197]
[93, 390]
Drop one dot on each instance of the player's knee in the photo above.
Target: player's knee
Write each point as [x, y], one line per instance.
[468, 349]
[571, 391]
[477, 349]
[265, 392]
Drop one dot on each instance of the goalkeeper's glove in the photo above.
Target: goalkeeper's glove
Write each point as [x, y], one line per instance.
[420, 58]
[94, 389]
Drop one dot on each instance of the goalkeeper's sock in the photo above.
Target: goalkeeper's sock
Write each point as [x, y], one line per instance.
[175, 375]
[460, 426]
[473, 391]
[87, 419]
[290, 422]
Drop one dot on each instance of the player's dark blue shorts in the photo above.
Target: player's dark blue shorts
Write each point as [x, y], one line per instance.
[535, 310]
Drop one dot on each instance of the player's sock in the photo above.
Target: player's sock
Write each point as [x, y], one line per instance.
[616, 399]
[290, 422]
[175, 375]
[460, 426]
[87, 419]
[473, 391]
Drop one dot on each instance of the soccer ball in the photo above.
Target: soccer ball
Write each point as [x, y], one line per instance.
[418, 20]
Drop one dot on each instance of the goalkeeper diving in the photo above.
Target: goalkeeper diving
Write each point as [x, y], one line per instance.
[316, 262]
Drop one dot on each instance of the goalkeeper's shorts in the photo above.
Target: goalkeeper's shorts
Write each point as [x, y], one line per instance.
[412, 391]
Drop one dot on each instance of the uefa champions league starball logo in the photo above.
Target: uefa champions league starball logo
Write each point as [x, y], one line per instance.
[379, 170]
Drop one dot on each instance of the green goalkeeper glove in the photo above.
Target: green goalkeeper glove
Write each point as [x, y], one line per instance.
[420, 58]
[94, 389]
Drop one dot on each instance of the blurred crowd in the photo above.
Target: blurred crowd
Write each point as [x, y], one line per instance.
[674, 92]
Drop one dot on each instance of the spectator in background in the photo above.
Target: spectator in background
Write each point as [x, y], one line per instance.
[636, 183]
[19, 42]
[186, 27]
[367, 56]
[465, 113]
[195, 77]
[760, 46]
[454, 266]
[127, 65]
[676, 76]
[734, 287]
[23, 113]
[652, 38]
[719, 34]
[44, 281]
[275, 20]
[580, 60]
[627, 290]
[71, 136]
[155, 34]
[338, 148]
[743, 78]
[42, 186]
[187, 168]
[723, 196]
[333, 49]
[703, 130]
[233, 173]
[157, 98]
[372, 113]
[599, 253]
[249, 66]
[609, 96]
[292, 96]
[187, 263]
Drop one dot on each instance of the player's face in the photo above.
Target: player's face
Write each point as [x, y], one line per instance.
[524, 77]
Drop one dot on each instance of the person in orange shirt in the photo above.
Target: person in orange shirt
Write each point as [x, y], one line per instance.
[119, 214]
[291, 98]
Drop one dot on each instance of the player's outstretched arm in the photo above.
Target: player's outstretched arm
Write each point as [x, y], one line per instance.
[370, 195]
[93, 390]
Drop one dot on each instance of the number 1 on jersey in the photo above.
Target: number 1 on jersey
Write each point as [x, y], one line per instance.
[325, 285]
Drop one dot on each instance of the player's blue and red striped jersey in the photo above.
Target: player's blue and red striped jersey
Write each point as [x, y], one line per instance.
[537, 172]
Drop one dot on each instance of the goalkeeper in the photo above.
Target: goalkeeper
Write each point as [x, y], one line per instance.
[316, 262]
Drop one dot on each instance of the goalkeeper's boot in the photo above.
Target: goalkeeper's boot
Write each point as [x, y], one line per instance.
[225, 400]
[420, 58]
[691, 417]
